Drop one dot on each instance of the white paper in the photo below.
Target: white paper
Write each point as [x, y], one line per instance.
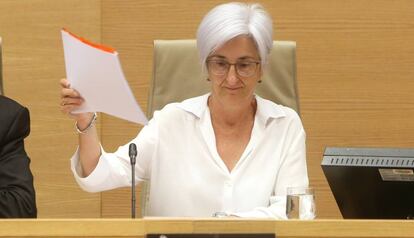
[98, 77]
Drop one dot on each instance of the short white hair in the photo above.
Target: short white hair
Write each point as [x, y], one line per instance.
[227, 21]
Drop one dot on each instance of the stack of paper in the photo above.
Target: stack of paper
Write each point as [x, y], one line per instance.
[95, 72]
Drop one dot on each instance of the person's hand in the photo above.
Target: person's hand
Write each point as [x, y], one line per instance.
[70, 99]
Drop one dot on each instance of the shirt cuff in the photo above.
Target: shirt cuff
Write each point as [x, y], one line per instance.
[93, 182]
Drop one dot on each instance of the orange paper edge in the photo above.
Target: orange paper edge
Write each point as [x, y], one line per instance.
[97, 46]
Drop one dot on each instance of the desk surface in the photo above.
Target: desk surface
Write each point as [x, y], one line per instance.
[141, 227]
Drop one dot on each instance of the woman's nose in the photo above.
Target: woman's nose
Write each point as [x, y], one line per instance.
[232, 78]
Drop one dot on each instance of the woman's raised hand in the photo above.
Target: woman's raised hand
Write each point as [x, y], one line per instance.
[70, 99]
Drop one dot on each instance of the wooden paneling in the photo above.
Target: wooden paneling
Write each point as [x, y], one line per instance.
[131, 27]
[355, 68]
[33, 65]
[142, 227]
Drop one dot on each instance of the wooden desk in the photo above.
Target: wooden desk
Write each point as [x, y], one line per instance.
[141, 227]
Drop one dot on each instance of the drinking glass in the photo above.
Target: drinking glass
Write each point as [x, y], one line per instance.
[300, 203]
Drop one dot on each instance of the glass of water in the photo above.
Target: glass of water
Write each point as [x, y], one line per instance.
[300, 203]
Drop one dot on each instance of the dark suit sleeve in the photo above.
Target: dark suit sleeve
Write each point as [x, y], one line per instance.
[17, 195]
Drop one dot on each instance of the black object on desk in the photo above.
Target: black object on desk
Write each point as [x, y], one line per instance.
[371, 183]
[211, 236]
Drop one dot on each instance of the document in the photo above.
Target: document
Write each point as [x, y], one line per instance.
[96, 73]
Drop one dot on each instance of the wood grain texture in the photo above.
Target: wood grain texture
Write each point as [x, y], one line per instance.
[355, 68]
[131, 27]
[141, 227]
[33, 65]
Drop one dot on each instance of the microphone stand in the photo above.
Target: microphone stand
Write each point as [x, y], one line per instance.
[132, 157]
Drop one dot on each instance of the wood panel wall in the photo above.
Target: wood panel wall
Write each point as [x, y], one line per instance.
[33, 65]
[355, 70]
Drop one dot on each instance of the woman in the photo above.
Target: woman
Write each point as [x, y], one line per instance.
[227, 151]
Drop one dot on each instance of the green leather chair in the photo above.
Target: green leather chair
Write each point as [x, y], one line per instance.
[177, 76]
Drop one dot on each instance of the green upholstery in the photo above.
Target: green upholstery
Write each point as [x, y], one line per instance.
[177, 76]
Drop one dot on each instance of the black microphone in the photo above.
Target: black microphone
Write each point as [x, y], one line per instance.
[132, 156]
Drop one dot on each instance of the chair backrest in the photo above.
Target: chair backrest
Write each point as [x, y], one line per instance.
[177, 76]
[1, 71]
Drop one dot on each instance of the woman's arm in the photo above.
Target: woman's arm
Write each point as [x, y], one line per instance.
[89, 145]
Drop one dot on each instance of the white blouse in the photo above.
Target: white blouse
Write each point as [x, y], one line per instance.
[177, 154]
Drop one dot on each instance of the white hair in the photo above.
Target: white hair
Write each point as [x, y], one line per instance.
[227, 21]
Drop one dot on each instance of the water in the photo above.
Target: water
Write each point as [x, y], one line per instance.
[300, 206]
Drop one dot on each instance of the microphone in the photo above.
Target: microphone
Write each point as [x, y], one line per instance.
[132, 156]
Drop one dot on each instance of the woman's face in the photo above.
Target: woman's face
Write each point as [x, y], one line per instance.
[234, 70]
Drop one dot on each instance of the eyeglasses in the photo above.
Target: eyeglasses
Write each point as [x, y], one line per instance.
[221, 67]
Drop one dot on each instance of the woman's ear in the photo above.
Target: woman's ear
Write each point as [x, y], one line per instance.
[260, 73]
